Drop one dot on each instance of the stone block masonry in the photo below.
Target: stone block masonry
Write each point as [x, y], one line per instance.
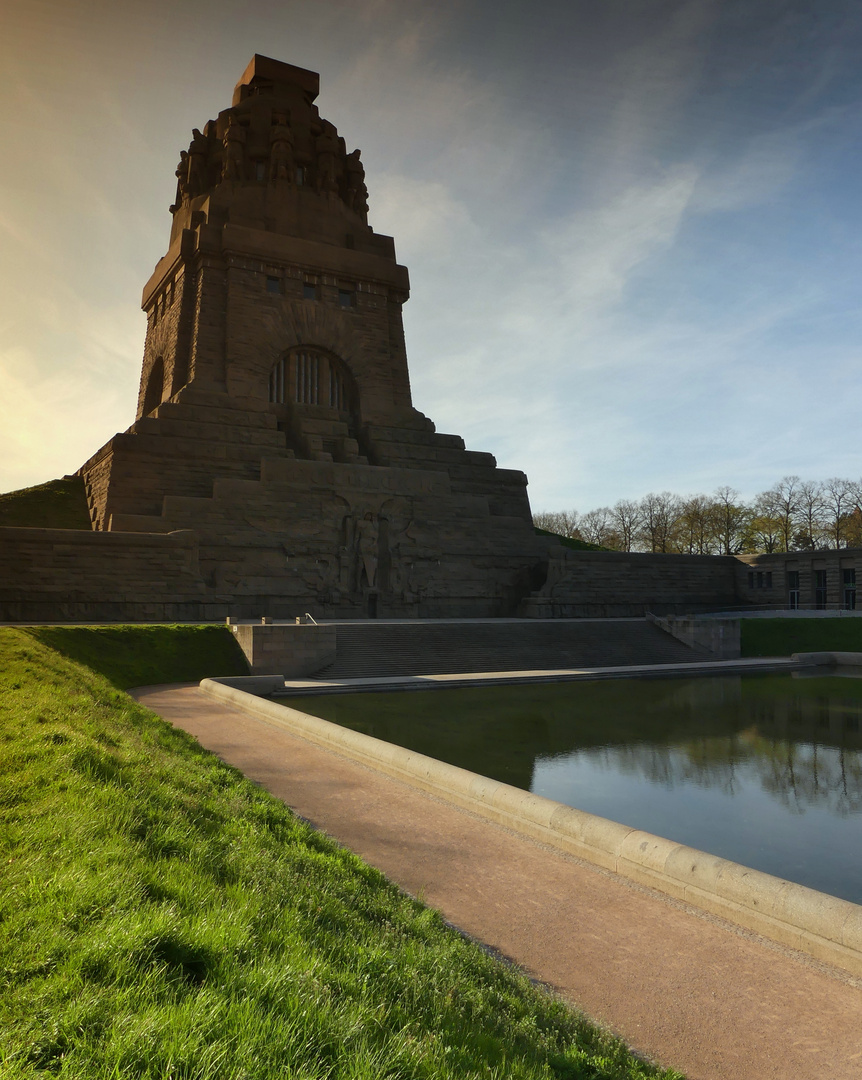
[276, 464]
[287, 649]
[59, 575]
[275, 419]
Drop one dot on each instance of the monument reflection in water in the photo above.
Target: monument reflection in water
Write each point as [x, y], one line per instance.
[765, 770]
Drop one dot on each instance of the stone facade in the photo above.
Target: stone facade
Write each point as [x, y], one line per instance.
[276, 464]
[66, 575]
[274, 416]
[818, 580]
[614, 584]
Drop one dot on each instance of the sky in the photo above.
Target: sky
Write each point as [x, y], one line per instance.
[633, 227]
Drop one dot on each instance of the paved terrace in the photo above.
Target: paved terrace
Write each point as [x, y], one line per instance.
[680, 986]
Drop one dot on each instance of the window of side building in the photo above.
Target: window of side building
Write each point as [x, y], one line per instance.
[848, 580]
[793, 589]
[820, 589]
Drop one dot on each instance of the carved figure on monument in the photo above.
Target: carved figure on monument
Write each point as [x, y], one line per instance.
[366, 533]
[182, 175]
[198, 153]
[282, 165]
[402, 549]
[234, 151]
[357, 192]
[326, 148]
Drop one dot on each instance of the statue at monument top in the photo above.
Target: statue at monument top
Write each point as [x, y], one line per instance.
[271, 161]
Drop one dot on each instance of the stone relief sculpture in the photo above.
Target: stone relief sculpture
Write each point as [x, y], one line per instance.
[357, 192]
[368, 547]
[234, 151]
[326, 149]
[282, 165]
[361, 551]
[198, 153]
[403, 578]
[182, 175]
[334, 171]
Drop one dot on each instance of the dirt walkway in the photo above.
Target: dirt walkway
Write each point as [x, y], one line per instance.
[680, 987]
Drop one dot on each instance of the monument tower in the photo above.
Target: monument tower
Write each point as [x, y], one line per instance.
[274, 416]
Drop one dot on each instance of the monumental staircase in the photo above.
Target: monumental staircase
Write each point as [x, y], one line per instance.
[368, 650]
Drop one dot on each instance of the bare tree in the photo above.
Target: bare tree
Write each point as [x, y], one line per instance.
[782, 504]
[692, 532]
[626, 519]
[811, 528]
[794, 515]
[659, 518]
[765, 530]
[559, 522]
[595, 526]
[732, 520]
[840, 498]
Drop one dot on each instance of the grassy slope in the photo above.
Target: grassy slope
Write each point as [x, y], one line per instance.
[570, 541]
[143, 655]
[160, 916]
[781, 637]
[59, 504]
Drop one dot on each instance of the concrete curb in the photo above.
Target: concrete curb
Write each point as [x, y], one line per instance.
[822, 926]
[828, 659]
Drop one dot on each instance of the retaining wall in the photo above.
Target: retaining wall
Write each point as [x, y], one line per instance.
[292, 649]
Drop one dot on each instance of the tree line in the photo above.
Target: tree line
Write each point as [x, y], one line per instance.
[794, 515]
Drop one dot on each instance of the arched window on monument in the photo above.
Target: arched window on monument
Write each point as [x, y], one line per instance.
[307, 376]
[155, 387]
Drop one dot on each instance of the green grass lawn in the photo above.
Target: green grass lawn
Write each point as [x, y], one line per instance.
[570, 541]
[143, 655]
[782, 637]
[58, 504]
[163, 917]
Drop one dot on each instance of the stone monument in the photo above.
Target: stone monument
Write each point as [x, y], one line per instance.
[275, 422]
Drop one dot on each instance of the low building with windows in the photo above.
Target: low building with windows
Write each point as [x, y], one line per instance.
[805, 580]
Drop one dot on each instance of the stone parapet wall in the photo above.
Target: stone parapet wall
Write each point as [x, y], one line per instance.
[718, 637]
[288, 649]
[614, 584]
[65, 575]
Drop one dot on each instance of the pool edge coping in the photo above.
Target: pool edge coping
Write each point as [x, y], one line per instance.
[821, 926]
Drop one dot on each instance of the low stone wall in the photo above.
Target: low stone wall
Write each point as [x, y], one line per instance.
[65, 575]
[287, 649]
[819, 925]
[719, 637]
[829, 659]
[614, 584]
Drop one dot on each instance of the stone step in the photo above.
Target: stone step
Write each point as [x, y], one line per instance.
[460, 647]
[208, 431]
[223, 414]
[178, 448]
[406, 455]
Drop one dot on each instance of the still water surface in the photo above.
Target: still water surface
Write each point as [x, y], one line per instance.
[762, 769]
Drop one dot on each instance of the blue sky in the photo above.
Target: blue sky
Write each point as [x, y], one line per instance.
[632, 226]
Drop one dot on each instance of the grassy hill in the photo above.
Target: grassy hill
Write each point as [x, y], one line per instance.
[59, 504]
[162, 916]
[782, 637]
[570, 541]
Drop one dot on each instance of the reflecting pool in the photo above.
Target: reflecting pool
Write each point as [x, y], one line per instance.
[762, 769]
